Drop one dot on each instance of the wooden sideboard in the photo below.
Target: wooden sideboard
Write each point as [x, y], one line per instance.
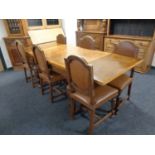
[103, 31]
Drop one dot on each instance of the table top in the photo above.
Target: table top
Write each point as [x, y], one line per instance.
[106, 66]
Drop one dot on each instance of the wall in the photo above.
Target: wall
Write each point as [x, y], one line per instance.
[3, 33]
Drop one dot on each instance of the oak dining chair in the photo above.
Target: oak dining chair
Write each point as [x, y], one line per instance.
[87, 42]
[48, 79]
[28, 64]
[22, 54]
[125, 48]
[81, 89]
[61, 39]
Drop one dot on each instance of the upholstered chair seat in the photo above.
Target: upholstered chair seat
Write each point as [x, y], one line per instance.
[122, 82]
[101, 95]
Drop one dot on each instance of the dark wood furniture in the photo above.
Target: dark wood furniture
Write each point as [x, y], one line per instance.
[81, 89]
[87, 42]
[109, 32]
[47, 76]
[61, 39]
[120, 83]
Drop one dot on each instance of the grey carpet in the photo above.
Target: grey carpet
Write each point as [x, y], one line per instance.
[24, 111]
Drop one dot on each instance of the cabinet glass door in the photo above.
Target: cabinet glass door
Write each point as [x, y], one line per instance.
[14, 26]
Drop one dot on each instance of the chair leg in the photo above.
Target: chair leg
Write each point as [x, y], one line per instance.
[26, 77]
[36, 78]
[113, 104]
[41, 84]
[129, 91]
[32, 78]
[72, 108]
[117, 104]
[91, 122]
[51, 92]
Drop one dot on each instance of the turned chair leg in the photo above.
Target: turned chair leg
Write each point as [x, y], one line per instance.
[113, 104]
[91, 122]
[51, 92]
[32, 78]
[72, 108]
[117, 104]
[41, 84]
[130, 85]
[26, 77]
[36, 78]
[129, 91]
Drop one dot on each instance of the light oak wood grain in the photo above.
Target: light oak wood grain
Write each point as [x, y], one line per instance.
[107, 66]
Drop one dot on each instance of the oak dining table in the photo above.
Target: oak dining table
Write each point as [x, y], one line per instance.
[107, 66]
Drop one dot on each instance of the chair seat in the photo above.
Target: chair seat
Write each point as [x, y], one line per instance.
[121, 82]
[53, 78]
[101, 94]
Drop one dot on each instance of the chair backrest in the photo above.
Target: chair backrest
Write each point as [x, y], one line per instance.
[61, 39]
[41, 61]
[21, 50]
[126, 48]
[87, 42]
[80, 75]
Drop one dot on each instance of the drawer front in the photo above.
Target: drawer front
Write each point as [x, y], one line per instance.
[109, 45]
[97, 37]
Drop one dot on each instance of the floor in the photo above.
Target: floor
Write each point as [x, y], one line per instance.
[23, 111]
